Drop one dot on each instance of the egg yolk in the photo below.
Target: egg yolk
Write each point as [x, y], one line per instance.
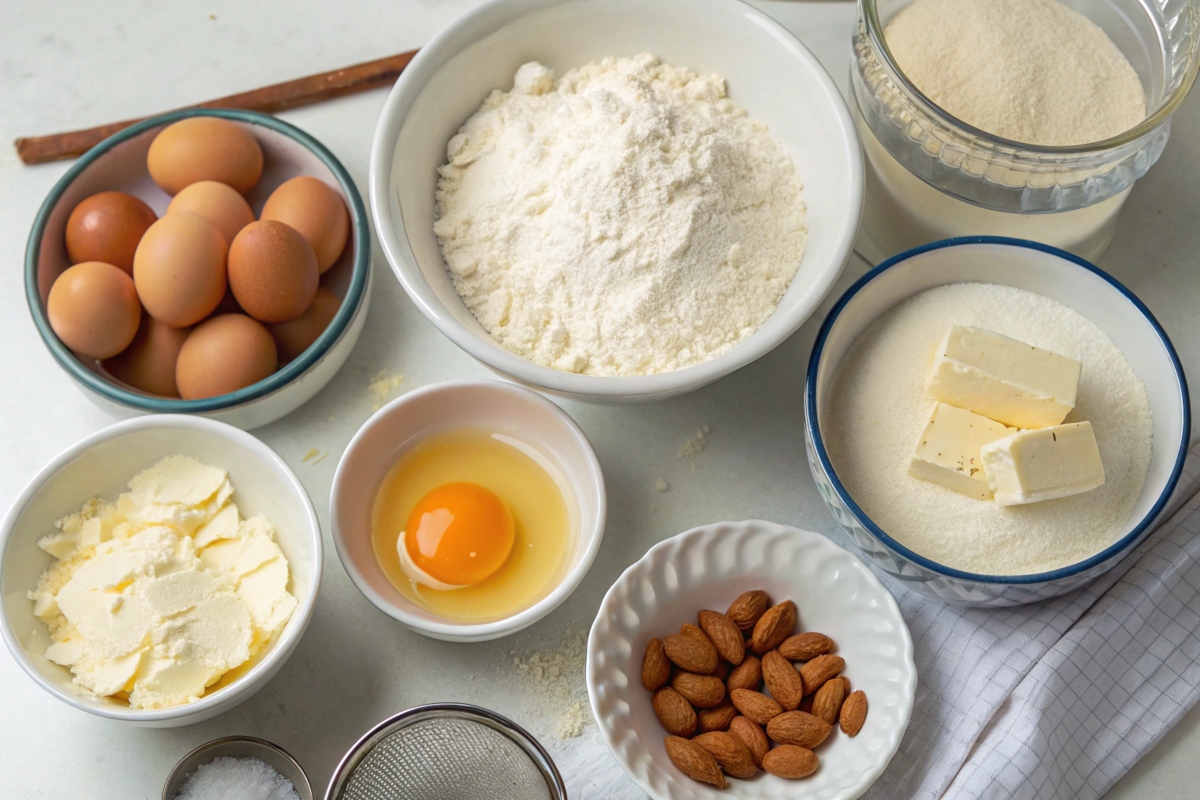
[460, 533]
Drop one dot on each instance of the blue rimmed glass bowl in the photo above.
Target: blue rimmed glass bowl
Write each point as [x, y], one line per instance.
[1036, 268]
[119, 163]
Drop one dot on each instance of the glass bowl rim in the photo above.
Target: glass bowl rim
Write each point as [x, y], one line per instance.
[869, 12]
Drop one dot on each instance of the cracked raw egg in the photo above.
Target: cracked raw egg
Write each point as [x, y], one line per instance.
[458, 535]
[472, 525]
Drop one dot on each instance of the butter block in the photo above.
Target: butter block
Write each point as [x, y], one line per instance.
[1044, 464]
[949, 450]
[1003, 379]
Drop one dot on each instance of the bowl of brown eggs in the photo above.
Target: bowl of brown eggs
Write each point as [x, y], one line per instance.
[212, 262]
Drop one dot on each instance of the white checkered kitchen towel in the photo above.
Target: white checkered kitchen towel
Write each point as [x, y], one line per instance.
[1058, 699]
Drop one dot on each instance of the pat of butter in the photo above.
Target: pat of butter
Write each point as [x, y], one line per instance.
[948, 452]
[1044, 464]
[1003, 379]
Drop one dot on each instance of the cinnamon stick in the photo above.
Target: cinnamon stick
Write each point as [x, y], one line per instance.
[268, 99]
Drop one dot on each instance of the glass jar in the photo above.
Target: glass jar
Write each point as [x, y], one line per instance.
[931, 176]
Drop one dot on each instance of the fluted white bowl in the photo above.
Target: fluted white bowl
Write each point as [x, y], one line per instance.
[708, 567]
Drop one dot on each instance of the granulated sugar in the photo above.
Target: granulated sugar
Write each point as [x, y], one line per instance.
[1033, 71]
[228, 778]
[878, 406]
[626, 218]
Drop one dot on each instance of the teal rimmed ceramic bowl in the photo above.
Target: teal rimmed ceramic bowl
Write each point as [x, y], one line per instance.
[119, 163]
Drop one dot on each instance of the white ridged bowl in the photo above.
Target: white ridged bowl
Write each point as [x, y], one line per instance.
[708, 567]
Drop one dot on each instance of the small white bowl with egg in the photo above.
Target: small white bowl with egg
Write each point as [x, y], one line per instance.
[1051, 273]
[544, 431]
[769, 73]
[100, 466]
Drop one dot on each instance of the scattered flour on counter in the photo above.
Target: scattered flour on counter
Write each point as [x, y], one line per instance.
[1033, 71]
[878, 406]
[227, 778]
[382, 386]
[695, 443]
[557, 678]
[624, 219]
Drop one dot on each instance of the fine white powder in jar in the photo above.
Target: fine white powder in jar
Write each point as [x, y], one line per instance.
[624, 219]
[878, 406]
[1033, 71]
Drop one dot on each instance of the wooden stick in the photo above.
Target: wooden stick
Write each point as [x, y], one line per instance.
[269, 99]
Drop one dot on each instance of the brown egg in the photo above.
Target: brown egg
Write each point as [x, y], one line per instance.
[93, 308]
[107, 227]
[149, 361]
[310, 206]
[293, 338]
[218, 203]
[222, 355]
[204, 149]
[179, 269]
[272, 271]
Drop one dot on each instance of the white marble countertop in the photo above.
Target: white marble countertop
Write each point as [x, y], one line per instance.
[64, 65]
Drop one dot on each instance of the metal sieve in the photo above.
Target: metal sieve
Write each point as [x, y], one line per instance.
[446, 751]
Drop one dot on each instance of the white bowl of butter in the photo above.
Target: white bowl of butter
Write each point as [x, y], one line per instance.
[222, 585]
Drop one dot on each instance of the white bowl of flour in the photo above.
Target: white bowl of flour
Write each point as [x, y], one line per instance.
[865, 406]
[656, 322]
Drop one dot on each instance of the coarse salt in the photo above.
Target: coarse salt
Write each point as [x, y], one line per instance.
[228, 778]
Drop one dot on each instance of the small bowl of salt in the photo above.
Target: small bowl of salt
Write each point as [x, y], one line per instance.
[237, 766]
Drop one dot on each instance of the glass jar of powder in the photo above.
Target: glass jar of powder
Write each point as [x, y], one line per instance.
[932, 176]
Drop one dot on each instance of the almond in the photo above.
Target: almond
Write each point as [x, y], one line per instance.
[747, 675]
[782, 679]
[656, 669]
[694, 761]
[752, 735]
[827, 702]
[675, 713]
[806, 646]
[733, 756]
[845, 685]
[806, 704]
[702, 691]
[773, 627]
[820, 669]
[691, 652]
[798, 728]
[755, 706]
[722, 670]
[790, 761]
[854, 713]
[724, 635]
[745, 611]
[716, 719]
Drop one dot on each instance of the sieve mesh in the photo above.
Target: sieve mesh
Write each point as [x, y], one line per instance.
[446, 758]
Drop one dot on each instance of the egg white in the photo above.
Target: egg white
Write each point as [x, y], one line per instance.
[418, 575]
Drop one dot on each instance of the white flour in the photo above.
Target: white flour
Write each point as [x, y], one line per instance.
[1033, 71]
[877, 408]
[626, 219]
[557, 678]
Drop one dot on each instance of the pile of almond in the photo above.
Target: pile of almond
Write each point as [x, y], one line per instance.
[708, 683]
